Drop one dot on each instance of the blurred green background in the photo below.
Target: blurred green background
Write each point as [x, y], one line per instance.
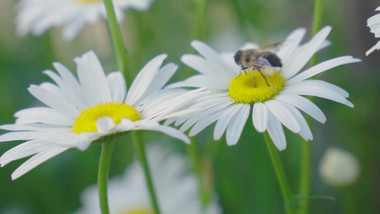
[242, 175]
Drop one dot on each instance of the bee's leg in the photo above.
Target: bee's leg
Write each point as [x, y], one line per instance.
[263, 77]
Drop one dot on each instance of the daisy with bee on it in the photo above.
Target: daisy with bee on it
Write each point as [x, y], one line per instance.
[263, 60]
[269, 86]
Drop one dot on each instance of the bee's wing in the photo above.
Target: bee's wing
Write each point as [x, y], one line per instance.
[273, 46]
[263, 63]
[265, 67]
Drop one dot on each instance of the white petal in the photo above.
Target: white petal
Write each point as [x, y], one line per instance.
[144, 78]
[104, 124]
[92, 78]
[53, 100]
[21, 135]
[318, 90]
[24, 150]
[212, 112]
[321, 67]
[154, 126]
[276, 132]
[291, 43]
[303, 104]
[235, 127]
[214, 58]
[224, 120]
[42, 115]
[305, 131]
[375, 47]
[165, 73]
[71, 86]
[205, 121]
[201, 81]
[299, 61]
[260, 117]
[37, 160]
[282, 114]
[117, 86]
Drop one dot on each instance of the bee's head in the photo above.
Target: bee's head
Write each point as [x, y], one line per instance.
[237, 57]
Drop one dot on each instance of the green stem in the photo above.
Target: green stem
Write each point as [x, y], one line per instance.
[317, 23]
[104, 162]
[278, 168]
[198, 20]
[122, 56]
[192, 149]
[140, 151]
[193, 153]
[305, 167]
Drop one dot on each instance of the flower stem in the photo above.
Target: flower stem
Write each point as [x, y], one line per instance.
[317, 23]
[198, 20]
[140, 151]
[192, 149]
[122, 56]
[305, 167]
[104, 162]
[278, 168]
[193, 152]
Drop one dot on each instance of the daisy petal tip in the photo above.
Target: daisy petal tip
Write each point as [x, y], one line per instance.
[187, 140]
[281, 148]
[233, 143]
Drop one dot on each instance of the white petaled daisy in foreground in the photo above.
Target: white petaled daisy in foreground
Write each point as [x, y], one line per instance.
[234, 94]
[37, 16]
[176, 189]
[374, 24]
[98, 105]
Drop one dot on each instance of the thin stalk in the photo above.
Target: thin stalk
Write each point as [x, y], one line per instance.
[193, 153]
[317, 23]
[280, 173]
[104, 162]
[140, 150]
[192, 149]
[122, 56]
[198, 20]
[305, 167]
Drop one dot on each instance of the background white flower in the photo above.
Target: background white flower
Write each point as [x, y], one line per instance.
[37, 16]
[374, 24]
[79, 112]
[339, 168]
[176, 188]
[282, 107]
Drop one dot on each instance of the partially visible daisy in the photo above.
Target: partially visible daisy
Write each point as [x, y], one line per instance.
[176, 188]
[374, 24]
[37, 16]
[79, 112]
[234, 94]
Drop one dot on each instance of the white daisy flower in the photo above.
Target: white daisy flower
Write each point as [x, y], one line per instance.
[37, 16]
[234, 94]
[80, 112]
[339, 168]
[176, 189]
[374, 24]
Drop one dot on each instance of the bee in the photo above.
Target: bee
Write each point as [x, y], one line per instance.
[263, 60]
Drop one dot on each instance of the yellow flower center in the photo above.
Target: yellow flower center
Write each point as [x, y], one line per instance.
[135, 211]
[246, 89]
[86, 121]
[88, 1]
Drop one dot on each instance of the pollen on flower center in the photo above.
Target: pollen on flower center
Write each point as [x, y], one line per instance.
[244, 88]
[88, 1]
[86, 121]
